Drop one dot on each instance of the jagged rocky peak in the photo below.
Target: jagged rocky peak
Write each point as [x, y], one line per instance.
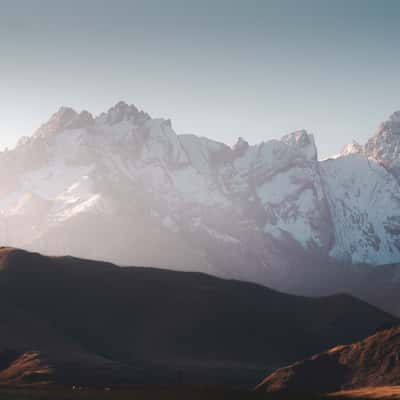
[389, 127]
[303, 142]
[300, 137]
[124, 112]
[64, 118]
[240, 146]
[23, 140]
[384, 146]
[392, 125]
[352, 148]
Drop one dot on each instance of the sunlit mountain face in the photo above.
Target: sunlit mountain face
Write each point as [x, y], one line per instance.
[366, 364]
[124, 187]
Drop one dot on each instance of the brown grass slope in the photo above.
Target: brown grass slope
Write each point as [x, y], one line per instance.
[372, 362]
[377, 392]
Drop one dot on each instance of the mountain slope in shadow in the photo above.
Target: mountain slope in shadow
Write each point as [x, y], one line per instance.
[93, 323]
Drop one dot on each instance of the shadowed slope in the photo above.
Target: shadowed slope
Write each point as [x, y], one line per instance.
[149, 325]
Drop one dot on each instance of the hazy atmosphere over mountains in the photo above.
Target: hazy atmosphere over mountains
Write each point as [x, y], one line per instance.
[124, 187]
[199, 199]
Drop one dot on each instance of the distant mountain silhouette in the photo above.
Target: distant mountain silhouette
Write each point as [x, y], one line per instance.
[372, 362]
[77, 321]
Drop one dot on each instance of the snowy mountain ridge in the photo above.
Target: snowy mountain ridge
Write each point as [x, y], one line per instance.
[125, 187]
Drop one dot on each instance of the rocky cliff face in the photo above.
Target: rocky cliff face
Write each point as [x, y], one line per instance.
[125, 187]
[384, 146]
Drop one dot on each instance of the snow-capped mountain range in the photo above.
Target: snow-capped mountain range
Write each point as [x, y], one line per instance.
[125, 187]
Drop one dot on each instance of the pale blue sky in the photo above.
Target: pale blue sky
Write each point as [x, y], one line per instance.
[222, 69]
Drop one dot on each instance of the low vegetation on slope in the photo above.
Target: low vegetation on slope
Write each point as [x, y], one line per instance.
[372, 362]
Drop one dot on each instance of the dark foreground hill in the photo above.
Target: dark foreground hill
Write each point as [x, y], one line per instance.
[372, 362]
[71, 321]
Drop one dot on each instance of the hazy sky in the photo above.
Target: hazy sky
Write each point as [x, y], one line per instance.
[222, 69]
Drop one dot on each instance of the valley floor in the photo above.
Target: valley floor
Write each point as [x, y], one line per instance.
[139, 393]
[189, 393]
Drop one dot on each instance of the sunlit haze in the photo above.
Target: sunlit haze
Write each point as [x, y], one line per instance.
[199, 199]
